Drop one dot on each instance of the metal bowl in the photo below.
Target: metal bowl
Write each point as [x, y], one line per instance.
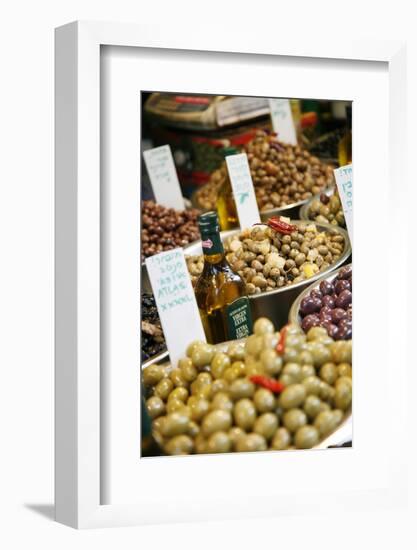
[294, 314]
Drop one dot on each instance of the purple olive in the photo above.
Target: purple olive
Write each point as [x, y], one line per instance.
[338, 314]
[332, 330]
[349, 313]
[345, 272]
[342, 285]
[345, 323]
[315, 293]
[310, 321]
[307, 306]
[344, 299]
[326, 287]
[344, 332]
[328, 301]
[324, 199]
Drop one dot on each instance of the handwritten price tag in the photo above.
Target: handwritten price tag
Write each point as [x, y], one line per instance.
[163, 175]
[344, 182]
[282, 121]
[175, 300]
[243, 192]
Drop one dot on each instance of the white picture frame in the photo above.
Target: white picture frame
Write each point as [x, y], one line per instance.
[78, 406]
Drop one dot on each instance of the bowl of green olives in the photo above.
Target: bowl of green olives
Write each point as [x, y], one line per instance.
[275, 390]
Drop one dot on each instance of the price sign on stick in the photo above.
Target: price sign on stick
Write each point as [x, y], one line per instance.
[282, 121]
[344, 182]
[175, 300]
[163, 175]
[243, 191]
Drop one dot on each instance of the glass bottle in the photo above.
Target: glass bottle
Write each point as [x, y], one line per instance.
[220, 292]
[345, 144]
[226, 206]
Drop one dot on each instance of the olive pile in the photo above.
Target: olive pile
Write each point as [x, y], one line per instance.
[213, 402]
[330, 306]
[166, 228]
[267, 260]
[325, 209]
[152, 337]
[327, 146]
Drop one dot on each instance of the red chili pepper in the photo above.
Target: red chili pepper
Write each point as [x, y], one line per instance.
[281, 343]
[269, 383]
[279, 226]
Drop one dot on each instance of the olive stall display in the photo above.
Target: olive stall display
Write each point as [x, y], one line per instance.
[328, 304]
[282, 174]
[271, 391]
[324, 208]
[166, 228]
[278, 254]
[152, 336]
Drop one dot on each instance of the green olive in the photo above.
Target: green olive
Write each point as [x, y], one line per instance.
[286, 379]
[253, 366]
[281, 439]
[188, 370]
[200, 444]
[306, 437]
[164, 388]
[191, 347]
[199, 407]
[219, 364]
[193, 429]
[326, 392]
[222, 401]
[263, 326]
[316, 332]
[236, 351]
[174, 405]
[177, 379]
[179, 445]
[312, 385]
[251, 442]
[218, 442]
[321, 354]
[266, 425]
[294, 370]
[270, 341]
[305, 358]
[294, 419]
[219, 385]
[307, 370]
[244, 414]
[153, 374]
[295, 341]
[328, 373]
[215, 421]
[292, 396]
[343, 393]
[264, 400]
[344, 369]
[254, 345]
[291, 355]
[175, 424]
[179, 393]
[231, 374]
[242, 387]
[312, 406]
[235, 433]
[327, 421]
[271, 362]
[202, 355]
[155, 406]
[341, 351]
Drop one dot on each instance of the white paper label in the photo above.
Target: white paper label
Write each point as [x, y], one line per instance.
[175, 300]
[243, 191]
[344, 182]
[282, 121]
[163, 175]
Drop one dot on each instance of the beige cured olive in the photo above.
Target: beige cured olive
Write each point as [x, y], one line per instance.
[155, 406]
[235, 433]
[312, 406]
[344, 369]
[219, 364]
[202, 355]
[294, 419]
[263, 326]
[264, 400]
[327, 421]
[218, 442]
[293, 396]
[164, 388]
[216, 421]
[179, 393]
[343, 393]
[219, 385]
[254, 345]
[199, 407]
[188, 370]
[328, 373]
[236, 351]
[293, 370]
[175, 424]
[306, 437]
[271, 362]
[281, 440]
[244, 414]
[192, 346]
[179, 445]
[312, 385]
[177, 379]
[221, 401]
[266, 425]
[250, 443]
[240, 388]
[307, 370]
[153, 374]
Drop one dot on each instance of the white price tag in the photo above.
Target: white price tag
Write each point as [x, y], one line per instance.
[163, 175]
[175, 300]
[344, 182]
[282, 121]
[243, 191]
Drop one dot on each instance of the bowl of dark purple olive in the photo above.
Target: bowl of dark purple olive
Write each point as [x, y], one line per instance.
[327, 303]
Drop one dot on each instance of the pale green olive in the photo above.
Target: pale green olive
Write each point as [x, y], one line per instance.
[292, 396]
[306, 437]
[215, 421]
[218, 442]
[327, 392]
[219, 385]
[293, 370]
[344, 369]
[174, 405]
[294, 419]
[174, 424]
[263, 326]
[222, 401]
[327, 421]
[305, 358]
[254, 345]
[250, 443]
[202, 355]
[270, 341]
[312, 385]
[199, 407]
[179, 445]
[153, 374]
[219, 364]
[328, 373]
[307, 370]
[244, 414]
[155, 406]
[179, 393]
[266, 425]
[240, 388]
[235, 433]
[192, 346]
[177, 379]
[281, 439]
[341, 351]
[188, 370]
[312, 406]
[164, 388]
[271, 362]
[343, 393]
[316, 332]
[193, 429]
[236, 351]
[264, 400]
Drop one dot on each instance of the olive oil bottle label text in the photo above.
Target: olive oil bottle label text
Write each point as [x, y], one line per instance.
[239, 319]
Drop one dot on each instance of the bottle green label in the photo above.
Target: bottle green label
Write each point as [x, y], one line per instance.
[212, 244]
[239, 319]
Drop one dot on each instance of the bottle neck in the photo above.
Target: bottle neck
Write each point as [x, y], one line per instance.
[212, 247]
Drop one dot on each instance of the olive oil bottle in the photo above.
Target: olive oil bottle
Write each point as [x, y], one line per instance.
[226, 206]
[220, 292]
